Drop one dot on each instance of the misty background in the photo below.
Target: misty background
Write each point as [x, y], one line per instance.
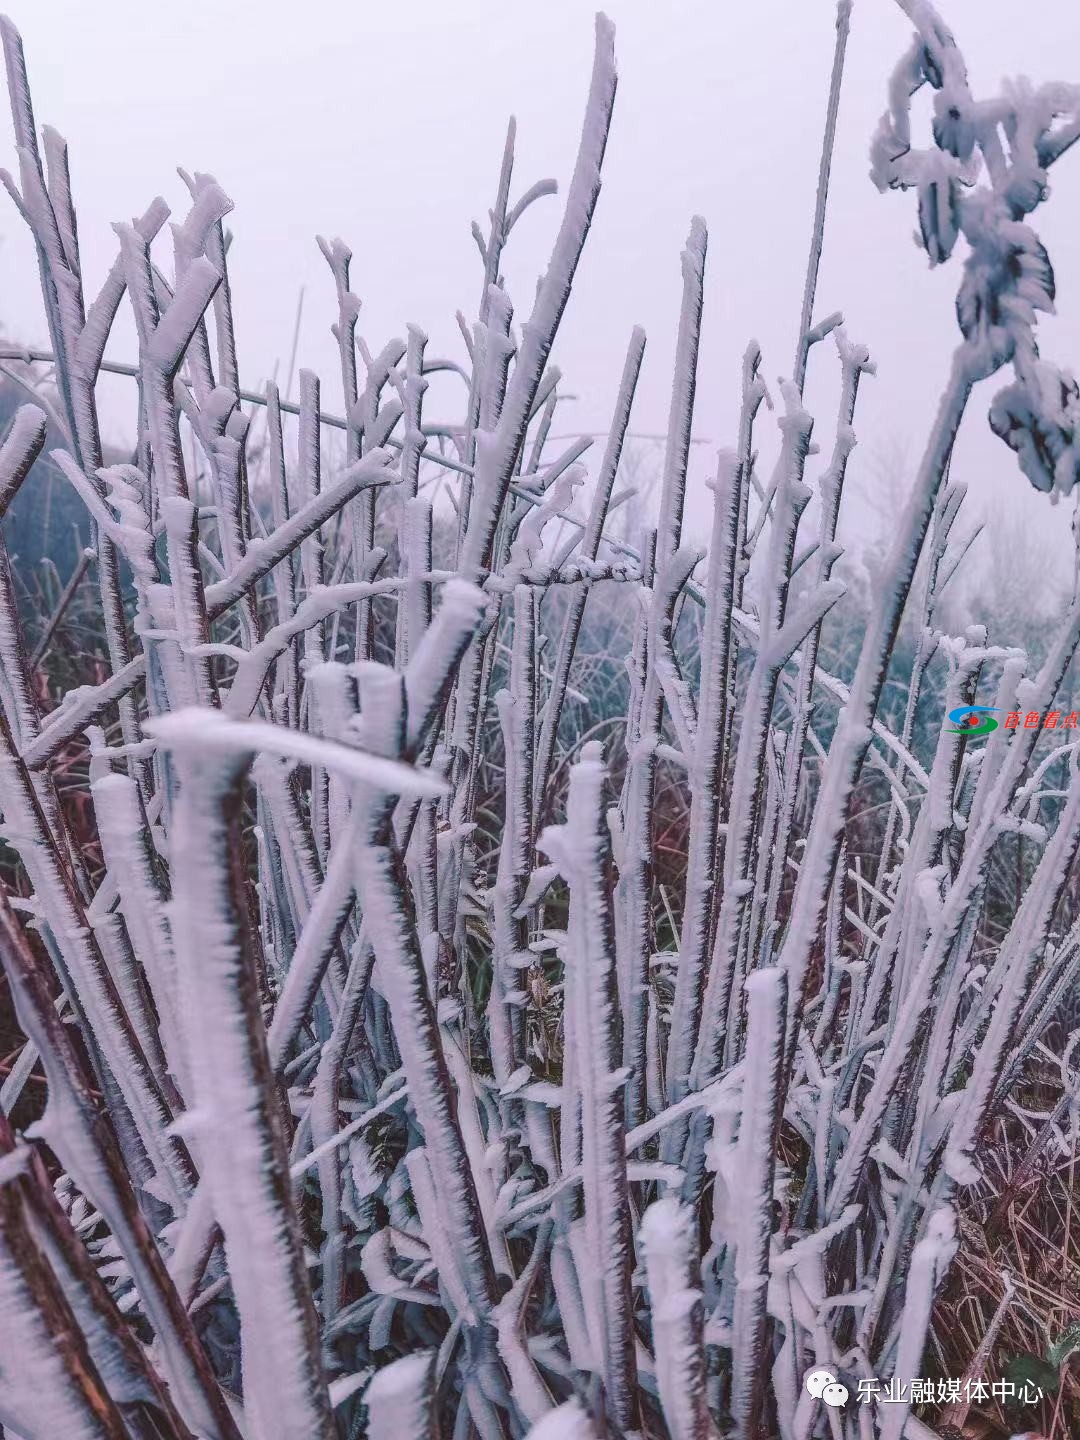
[385, 125]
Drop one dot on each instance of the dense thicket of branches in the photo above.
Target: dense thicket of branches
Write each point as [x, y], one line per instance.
[396, 1083]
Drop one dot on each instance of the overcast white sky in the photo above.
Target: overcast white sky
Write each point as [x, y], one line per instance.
[384, 124]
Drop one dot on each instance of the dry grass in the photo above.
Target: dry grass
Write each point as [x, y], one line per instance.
[1023, 1223]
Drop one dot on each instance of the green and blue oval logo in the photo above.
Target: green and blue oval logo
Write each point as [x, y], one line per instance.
[972, 720]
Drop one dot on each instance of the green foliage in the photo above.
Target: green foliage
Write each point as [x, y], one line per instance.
[1027, 1369]
[1066, 1345]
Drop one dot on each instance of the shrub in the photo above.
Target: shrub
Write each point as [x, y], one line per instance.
[392, 1079]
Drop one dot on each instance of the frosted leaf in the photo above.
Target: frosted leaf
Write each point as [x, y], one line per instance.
[400, 1399]
[568, 1422]
[1038, 417]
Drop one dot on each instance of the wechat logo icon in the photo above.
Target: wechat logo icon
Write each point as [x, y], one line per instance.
[824, 1386]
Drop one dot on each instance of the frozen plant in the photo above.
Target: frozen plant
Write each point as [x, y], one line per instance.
[388, 1088]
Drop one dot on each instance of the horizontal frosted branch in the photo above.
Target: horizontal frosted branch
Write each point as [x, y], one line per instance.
[198, 729]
